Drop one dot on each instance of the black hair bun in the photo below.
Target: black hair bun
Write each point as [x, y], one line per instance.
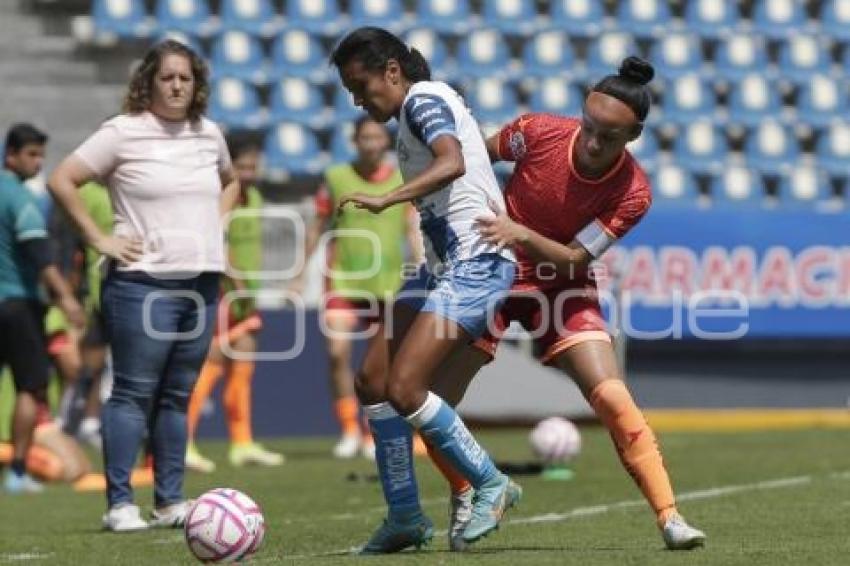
[636, 70]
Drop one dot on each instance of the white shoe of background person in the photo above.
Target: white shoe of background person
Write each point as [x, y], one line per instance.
[253, 454]
[172, 516]
[124, 518]
[196, 461]
[347, 447]
[679, 535]
[89, 432]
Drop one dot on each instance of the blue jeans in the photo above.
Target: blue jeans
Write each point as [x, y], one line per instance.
[154, 374]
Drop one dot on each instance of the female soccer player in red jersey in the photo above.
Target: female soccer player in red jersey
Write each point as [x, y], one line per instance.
[574, 192]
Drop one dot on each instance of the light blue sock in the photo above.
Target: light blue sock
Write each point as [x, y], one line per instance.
[447, 433]
[394, 457]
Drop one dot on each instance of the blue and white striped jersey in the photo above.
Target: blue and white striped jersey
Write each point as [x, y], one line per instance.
[431, 110]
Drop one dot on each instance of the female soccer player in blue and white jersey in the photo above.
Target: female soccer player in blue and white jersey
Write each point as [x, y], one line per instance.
[447, 175]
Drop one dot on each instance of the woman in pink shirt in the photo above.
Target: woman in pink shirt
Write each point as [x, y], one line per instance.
[170, 180]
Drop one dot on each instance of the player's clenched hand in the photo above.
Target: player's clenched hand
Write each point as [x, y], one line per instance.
[121, 249]
[372, 203]
[501, 230]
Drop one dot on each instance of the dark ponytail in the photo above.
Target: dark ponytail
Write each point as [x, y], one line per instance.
[373, 47]
[629, 85]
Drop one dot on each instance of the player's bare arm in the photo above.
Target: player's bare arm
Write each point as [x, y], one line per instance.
[503, 231]
[447, 165]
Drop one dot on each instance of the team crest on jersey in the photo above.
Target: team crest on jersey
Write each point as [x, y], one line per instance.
[517, 143]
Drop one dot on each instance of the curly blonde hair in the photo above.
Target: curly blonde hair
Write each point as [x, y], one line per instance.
[139, 91]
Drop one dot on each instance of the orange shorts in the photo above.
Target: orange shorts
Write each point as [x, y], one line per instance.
[556, 318]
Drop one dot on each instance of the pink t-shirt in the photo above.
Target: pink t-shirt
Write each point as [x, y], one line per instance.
[164, 181]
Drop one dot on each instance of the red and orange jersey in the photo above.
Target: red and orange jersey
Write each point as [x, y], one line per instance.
[546, 194]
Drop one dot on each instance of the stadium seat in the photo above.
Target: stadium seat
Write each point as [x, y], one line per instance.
[579, 18]
[444, 16]
[711, 18]
[238, 54]
[253, 16]
[388, 14]
[778, 19]
[235, 104]
[296, 53]
[753, 100]
[701, 148]
[740, 55]
[292, 149]
[491, 100]
[673, 185]
[738, 186]
[342, 144]
[343, 107]
[646, 150]
[677, 54]
[805, 185]
[295, 99]
[125, 18]
[644, 18]
[555, 95]
[511, 17]
[189, 16]
[835, 19]
[821, 101]
[801, 57]
[322, 17]
[833, 149]
[484, 53]
[771, 148]
[433, 49]
[548, 54]
[606, 52]
[689, 98]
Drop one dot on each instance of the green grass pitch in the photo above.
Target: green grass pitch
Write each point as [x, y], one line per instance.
[769, 498]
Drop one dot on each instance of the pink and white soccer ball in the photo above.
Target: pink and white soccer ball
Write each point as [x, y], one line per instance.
[555, 440]
[224, 525]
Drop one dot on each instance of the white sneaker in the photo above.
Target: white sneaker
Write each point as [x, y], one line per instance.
[460, 513]
[347, 447]
[124, 518]
[196, 462]
[253, 454]
[173, 516]
[678, 535]
[89, 432]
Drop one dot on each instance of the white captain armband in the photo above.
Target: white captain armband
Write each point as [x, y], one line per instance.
[595, 238]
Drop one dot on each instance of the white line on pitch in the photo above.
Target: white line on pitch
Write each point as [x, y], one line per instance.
[22, 556]
[592, 510]
[687, 496]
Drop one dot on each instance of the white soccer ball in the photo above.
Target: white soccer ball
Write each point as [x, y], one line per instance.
[224, 525]
[555, 440]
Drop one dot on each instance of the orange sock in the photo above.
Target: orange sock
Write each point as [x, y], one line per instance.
[635, 443]
[209, 376]
[237, 401]
[347, 410]
[458, 483]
